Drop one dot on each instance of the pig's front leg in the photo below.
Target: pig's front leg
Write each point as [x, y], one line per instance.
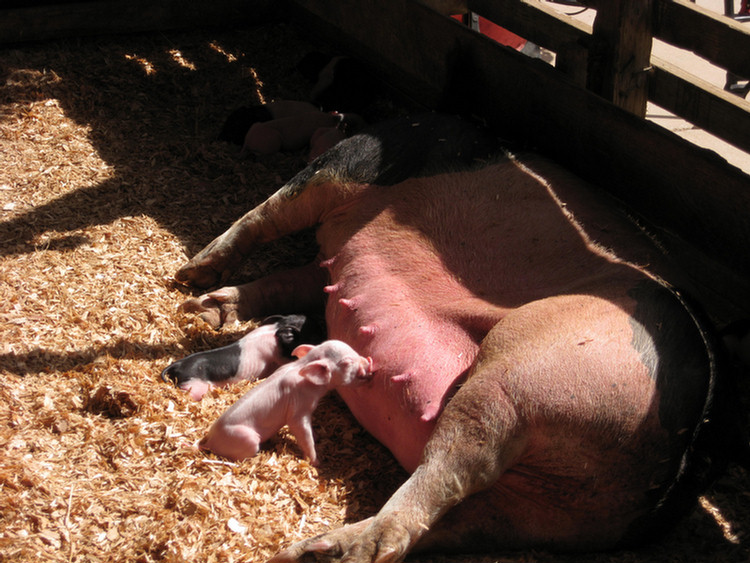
[289, 291]
[385, 154]
[302, 431]
[296, 206]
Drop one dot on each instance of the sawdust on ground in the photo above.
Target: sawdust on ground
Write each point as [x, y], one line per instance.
[110, 178]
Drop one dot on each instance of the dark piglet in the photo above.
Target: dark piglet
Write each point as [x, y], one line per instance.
[340, 83]
[255, 356]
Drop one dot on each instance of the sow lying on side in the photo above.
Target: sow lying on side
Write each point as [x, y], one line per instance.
[519, 350]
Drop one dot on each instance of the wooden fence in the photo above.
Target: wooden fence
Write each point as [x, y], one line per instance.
[614, 57]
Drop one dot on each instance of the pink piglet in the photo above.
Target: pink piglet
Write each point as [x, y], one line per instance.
[288, 397]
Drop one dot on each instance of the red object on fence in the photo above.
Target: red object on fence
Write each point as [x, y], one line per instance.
[497, 33]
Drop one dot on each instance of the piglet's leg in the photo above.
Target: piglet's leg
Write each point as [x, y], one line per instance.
[299, 204]
[302, 431]
[235, 442]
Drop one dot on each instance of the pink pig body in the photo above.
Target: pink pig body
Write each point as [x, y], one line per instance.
[288, 397]
[544, 390]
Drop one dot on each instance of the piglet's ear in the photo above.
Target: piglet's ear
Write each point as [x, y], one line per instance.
[316, 372]
[302, 350]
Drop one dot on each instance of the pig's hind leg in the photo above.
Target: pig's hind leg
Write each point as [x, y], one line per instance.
[235, 442]
[538, 399]
[477, 437]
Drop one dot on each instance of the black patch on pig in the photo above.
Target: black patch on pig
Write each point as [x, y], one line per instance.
[215, 365]
[682, 352]
[393, 151]
[293, 330]
[342, 84]
[345, 85]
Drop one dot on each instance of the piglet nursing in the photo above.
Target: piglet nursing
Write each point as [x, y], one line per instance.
[288, 397]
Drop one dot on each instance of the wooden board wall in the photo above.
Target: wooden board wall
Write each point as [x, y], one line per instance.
[42, 21]
[681, 23]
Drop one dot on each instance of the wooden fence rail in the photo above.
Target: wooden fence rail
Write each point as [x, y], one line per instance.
[614, 57]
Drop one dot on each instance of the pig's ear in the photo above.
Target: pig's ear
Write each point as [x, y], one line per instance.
[302, 350]
[317, 372]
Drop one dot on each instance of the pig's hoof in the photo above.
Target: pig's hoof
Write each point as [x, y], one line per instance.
[197, 275]
[216, 308]
[375, 540]
[206, 308]
[331, 546]
[211, 265]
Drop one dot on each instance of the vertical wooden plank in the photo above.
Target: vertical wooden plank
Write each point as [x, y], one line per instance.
[621, 53]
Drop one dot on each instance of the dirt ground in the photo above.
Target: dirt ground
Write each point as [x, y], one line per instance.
[110, 178]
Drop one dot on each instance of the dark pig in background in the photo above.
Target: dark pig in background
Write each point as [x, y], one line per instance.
[543, 388]
[340, 83]
[288, 397]
[325, 138]
[254, 356]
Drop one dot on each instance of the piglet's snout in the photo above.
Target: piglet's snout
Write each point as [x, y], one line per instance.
[365, 368]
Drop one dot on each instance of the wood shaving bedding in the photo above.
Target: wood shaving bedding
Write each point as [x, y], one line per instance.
[110, 178]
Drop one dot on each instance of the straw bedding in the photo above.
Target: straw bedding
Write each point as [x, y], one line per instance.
[110, 178]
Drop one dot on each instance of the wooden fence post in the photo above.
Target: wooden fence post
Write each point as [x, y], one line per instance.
[619, 60]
